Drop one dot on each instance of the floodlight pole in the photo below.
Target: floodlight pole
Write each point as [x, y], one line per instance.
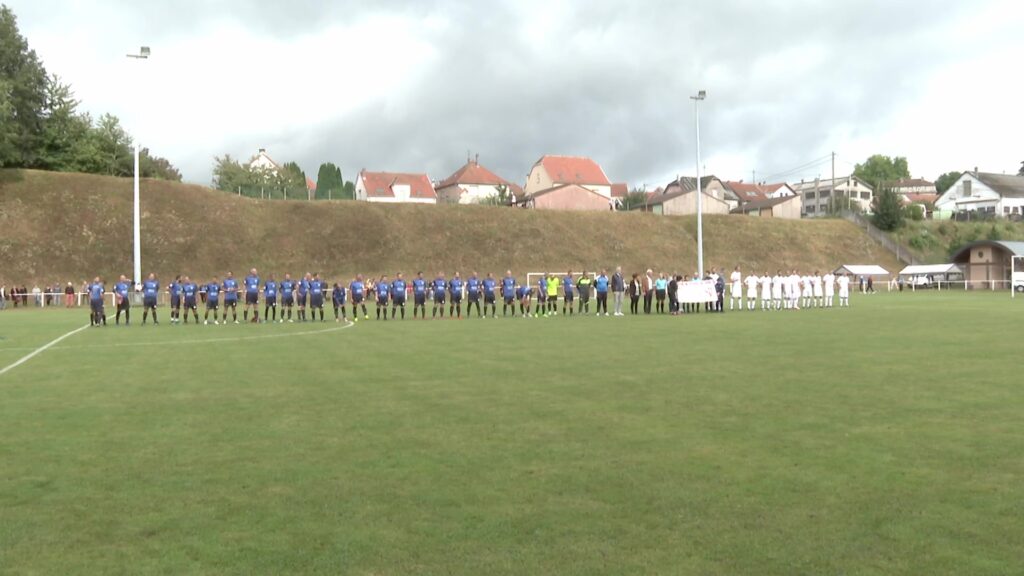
[136, 225]
[700, 192]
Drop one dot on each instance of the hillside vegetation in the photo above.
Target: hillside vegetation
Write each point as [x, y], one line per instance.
[72, 226]
[935, 241]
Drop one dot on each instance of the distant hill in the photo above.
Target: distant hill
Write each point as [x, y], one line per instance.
[60, 227]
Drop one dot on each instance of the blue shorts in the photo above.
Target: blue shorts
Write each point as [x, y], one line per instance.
[271, 300]
[398, 300]
[252, 297]
[488, 298]
[231, 302]
[316, 301]
[175, 301]
[568, 296]
[302, 299]
[190, 302]
[509, 298]
[457, 298]
[438, 298]
[474, 296]
[149, 302]
[420, 299]
[289, 300]
[96, 305]
[382, 301]
[211, 304]
[357, 298]
[339, 303]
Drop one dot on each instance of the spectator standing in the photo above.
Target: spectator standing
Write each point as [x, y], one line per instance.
[648, 290]
[69, 295]
[720, 293]
[618, 290]
[673, 297]
[635, 288]
[37, 296]
[3, 296]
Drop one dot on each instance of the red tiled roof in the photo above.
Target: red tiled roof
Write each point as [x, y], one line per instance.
[573, 170]
[620, 190]
[310, 184]
[747, 192]
[473, 173]
[920, 198]
[378, 184]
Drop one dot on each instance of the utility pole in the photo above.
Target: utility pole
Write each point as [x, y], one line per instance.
[833, 200]
[700, 190]
[144, 53]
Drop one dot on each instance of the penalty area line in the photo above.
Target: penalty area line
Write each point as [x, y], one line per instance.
[40, 350]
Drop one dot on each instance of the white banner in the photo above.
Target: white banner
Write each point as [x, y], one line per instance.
[697, 292]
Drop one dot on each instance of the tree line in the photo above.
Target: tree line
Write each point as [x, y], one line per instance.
[41, 126]
[286, 182]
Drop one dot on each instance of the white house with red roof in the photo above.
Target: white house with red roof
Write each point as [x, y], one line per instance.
[554, 171]
[472, 183]
[395, 187]
[755, 192]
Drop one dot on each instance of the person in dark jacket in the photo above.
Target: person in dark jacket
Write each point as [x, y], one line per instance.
[635, 289]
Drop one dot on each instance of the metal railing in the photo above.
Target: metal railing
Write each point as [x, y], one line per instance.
[903, 254]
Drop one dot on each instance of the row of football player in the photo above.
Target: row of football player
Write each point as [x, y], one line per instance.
[788, 290]
[289, 293]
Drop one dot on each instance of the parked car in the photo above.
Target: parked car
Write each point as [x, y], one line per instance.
[1018, 282]
[920, 281]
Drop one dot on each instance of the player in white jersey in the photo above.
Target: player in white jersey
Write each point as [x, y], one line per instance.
[794, 290]
[808, 291]
[818, 293]
[844, 290]
[830, 288]
[777, 286]
[736, 289]
[752, 282]
[766, 292]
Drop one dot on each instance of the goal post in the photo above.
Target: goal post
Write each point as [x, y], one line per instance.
[1016, 275]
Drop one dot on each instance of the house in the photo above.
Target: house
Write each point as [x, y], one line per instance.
[788, 206]
[620, 190]
[820, 197]
[568, 197]
[752, 192]
[473, 183]
[984, 192]
[393, 187]
[987, 263]
[263, 161]
[551, 171]
[679, 198]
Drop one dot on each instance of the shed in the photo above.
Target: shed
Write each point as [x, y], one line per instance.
[988, 263]
[932, 273]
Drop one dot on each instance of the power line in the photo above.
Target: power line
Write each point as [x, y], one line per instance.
[803, 167]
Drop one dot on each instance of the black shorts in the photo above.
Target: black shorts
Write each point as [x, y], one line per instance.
[252, 298]
[302, 300]
[568, 297]
[230, 303]
[382, 301]
[125, 303]
[190, 303]
[272, 301]
[97, 306]
[398, 300]
[357, 299]
[288, 300]
[438, 298]
[316, 301]
[542, 297]
[211, 304]
[175, 302]
[474, 296]
[489, 299]
[585, 296]
[457, 298]
[149, 302]
[420, 299]
[509, 299]
[339, 303]
[659, 294]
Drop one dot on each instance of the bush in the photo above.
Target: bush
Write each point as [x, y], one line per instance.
[994, 233]
[915, 212]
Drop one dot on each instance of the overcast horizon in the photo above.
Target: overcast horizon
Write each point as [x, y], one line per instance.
[418, 86]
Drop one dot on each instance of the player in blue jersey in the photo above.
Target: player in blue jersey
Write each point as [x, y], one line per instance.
[270, 288]
[122, 300]
[358, 291]
[455, 290]
[317, 288]
[338, 299]
[523, 293]
[601, 289]
[508, 294]
[302, 295]
[419, 295]
[489, 286]
[473, 287]
[189, 292]
[229, 293]
[568, 284]
[252, 297]
[150, 291]
[287, 288]
[439, 286]
[174, 289]
[96, 313]
[383, 291]
[398, 289]
[212, 300]
[542, 296]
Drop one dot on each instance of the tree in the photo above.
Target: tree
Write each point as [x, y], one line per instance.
[635, 199]
[230, 176]
[329, 183]
[350, 190]
[879, 170]
[156, 167]
[501, 197]
[22, 95]
[1021, 171]
[114, 147]
[888, 209]
[946, 181]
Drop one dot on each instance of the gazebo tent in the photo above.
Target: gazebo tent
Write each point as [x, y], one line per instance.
[864, 270]
[931, 270]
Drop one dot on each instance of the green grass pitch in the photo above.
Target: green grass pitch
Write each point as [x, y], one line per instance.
[882, 439]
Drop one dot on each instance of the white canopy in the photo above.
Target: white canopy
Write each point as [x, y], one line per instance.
[933, 269]
[863, 270]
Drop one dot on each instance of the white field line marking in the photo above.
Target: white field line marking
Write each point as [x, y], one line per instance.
[208, 340]
[41, 349]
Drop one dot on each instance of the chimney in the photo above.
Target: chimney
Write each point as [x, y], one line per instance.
[263, 150]
[476, 159]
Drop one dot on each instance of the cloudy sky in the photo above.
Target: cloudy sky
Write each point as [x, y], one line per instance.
[413, 85]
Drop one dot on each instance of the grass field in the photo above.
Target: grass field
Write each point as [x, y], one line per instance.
[881, 439]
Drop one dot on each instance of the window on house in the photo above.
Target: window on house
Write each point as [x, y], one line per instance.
[965, 190]
[809, 195]
[810, 209]
[865, 195]
[825, 194]
[1006, 209]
